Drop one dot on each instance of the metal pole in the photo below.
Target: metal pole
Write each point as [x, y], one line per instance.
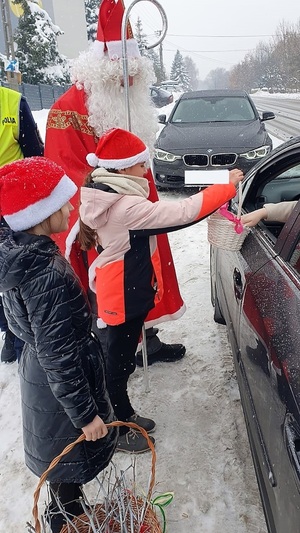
[124, 49]
[145, 360]
[128, 125]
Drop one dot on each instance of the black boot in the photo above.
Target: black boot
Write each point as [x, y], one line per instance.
[8, 353]
[158, 351]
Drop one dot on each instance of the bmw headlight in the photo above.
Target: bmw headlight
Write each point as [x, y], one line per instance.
[161, 155]
[257, 153]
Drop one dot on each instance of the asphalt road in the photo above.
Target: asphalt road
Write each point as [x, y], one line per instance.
[287, 110]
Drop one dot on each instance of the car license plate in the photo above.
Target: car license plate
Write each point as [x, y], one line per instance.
[206, 177]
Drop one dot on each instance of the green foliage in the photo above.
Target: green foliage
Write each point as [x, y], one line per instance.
[37, 51]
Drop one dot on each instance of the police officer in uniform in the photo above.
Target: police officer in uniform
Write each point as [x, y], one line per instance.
[19, 138]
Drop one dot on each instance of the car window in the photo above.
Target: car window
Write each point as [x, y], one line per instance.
[278, 182]
[284, 187]
[213, 109]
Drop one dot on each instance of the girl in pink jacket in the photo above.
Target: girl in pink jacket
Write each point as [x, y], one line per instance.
[126, 276]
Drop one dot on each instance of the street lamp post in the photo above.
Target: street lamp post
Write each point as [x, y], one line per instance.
[9, 42]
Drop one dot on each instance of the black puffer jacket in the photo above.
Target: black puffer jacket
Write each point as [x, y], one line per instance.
[61, 368]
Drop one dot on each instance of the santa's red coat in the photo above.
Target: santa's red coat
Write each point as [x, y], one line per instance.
[69, 139]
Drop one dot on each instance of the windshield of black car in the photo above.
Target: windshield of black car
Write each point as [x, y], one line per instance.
[216, 109]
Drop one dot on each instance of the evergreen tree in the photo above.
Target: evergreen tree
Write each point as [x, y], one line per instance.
[91, 16]
[37, 51]
[142, 42]
[179, 72]
[192, 73]
[141, 38]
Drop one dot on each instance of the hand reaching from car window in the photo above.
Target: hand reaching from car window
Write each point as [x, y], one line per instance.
[235, 176]
[253, 218]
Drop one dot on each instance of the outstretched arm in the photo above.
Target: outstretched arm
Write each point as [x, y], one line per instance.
[253, 218]
[273, 212]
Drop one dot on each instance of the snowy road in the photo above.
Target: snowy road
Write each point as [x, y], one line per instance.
[287, 116]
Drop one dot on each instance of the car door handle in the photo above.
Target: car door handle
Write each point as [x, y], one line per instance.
[292, 441]
[237, 283]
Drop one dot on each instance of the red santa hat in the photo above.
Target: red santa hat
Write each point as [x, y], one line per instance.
[109, 29]
[31, 190]
[118, 149]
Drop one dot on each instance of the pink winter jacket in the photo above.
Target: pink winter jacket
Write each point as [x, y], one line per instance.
[126, 275]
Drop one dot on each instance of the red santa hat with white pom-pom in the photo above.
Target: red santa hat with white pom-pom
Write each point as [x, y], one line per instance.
[118, 149]
[31, 190]
[108, 37]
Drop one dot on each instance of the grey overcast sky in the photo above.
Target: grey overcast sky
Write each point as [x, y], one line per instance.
[215, 34]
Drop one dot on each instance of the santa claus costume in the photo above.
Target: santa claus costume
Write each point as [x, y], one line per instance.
[93, 105]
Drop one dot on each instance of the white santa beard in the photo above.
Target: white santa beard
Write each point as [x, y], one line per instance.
[101, 81]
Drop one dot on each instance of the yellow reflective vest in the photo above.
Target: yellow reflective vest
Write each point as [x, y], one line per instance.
[10, 149]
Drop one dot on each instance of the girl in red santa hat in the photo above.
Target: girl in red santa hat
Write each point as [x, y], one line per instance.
[61, 368]
[93, 105]
[117, 215]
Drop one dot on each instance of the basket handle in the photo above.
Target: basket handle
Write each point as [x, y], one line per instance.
[239, 212]
[70, 447]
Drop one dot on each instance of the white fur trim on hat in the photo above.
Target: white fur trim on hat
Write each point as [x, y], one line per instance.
[118, 164]
[71, 237]
[98, 48]
[114, 49]
[37, 212]
[92, 160]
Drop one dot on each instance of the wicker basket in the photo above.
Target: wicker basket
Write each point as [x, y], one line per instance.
[227, 233]
[107, 516]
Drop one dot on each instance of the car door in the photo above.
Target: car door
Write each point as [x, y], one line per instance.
[154, 96]
[269, 354]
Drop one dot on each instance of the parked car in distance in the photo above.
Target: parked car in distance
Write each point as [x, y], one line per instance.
[171, 85]
[255, 291]
[160, 97]
[209, 130]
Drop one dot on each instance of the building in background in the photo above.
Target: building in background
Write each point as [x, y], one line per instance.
[69, 15]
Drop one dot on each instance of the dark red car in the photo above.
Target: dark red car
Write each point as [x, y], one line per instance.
[160, 97]
[255, 291]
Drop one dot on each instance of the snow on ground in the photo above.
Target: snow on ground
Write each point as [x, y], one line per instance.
[202, 448]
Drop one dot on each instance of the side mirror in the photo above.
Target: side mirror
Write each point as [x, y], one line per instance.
[267, 115]
[162, 119]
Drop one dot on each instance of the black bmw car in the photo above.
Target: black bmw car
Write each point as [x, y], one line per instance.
[255, 292]
[209, 130]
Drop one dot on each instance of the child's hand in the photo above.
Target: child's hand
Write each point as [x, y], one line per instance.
[253, 218]
[95, 430]
[235, 176]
